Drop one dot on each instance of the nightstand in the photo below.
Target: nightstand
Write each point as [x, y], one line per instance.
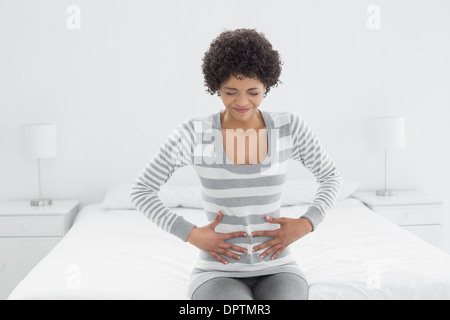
[27, 234]
[416, 211]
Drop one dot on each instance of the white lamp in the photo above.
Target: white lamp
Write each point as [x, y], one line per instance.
[387, 133]
[39, 141]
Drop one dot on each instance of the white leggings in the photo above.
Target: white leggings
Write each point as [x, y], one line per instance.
[280, 286]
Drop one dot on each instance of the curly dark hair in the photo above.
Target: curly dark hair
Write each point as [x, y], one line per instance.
[241, 51]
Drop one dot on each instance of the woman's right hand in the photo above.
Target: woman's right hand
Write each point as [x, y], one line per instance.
[213, 243]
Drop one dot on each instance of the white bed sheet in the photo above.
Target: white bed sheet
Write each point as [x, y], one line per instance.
[119, 254]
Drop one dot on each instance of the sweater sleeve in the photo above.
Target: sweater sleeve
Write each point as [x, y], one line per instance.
[307, 149]
[174, 153]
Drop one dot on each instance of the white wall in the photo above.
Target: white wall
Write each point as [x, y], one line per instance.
[117, 86]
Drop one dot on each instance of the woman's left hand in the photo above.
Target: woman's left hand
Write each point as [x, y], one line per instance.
[290, 231]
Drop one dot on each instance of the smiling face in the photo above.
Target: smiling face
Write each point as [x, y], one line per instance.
[241, 97]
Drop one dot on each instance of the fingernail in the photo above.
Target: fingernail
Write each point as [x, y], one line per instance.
[239, 258]
[261, 256]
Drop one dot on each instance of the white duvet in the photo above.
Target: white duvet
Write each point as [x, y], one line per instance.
[119, 254]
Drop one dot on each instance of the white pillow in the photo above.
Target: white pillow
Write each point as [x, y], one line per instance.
[303, 191]
[118, 197]
[190, 196]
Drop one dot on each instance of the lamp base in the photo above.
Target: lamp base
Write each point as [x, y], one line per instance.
[40, 202]
[386, 192]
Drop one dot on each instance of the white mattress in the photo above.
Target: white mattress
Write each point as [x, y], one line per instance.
[119, 254]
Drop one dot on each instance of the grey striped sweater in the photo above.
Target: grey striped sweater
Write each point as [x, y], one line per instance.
[244, 193]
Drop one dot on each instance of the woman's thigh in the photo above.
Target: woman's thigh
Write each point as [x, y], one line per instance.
[223, 289]
[281, 286]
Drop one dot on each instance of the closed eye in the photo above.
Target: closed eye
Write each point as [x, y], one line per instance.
[233, 93]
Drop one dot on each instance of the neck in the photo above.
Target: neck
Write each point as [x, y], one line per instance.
[229, 122]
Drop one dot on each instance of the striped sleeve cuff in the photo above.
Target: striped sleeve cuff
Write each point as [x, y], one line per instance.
[181, 228]
[314, 215]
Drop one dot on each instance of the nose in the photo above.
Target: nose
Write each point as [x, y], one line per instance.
[241, 101]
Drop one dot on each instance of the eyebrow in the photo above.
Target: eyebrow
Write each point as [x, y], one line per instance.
[236, 89]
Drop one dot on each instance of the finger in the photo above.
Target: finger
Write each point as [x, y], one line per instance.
[265, 245]
[274, 220]
[270, 250]
[232, 235]
[277, 252]
[217, 220]
[217, 257]
[234, 247]
[229, 254]
[264, 233]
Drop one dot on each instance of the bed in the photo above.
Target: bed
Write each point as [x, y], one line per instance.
[114, 252]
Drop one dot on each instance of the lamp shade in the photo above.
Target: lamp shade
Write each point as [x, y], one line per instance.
[39, 140]
[387, 132]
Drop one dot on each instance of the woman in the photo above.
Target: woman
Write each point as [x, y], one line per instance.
[240, 155]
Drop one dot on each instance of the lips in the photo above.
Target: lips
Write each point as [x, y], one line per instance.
[240, 110]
